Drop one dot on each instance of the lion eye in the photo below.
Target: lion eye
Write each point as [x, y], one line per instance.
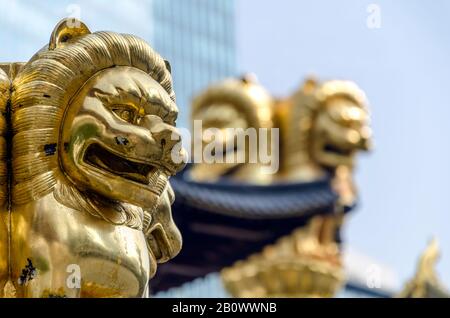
[124, 114]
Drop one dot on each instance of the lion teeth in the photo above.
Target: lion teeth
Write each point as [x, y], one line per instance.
[157, 181]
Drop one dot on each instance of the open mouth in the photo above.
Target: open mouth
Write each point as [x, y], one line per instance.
[336, 150]
[100, 157]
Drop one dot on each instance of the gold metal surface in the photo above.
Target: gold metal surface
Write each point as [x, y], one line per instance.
[4, 238]
[303, 264]
[11, 69]
[92, 124]
[426, 283]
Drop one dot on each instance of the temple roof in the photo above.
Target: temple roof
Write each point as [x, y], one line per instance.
[224, 222]
[276, 201]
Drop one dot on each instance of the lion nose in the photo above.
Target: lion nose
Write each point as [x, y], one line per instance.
[168, 137]
[365, 144]
[366, 140]
[164, 134]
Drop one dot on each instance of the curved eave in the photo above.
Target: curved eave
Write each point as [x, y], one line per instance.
[277, 201]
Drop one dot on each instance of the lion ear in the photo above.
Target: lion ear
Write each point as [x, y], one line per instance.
[66, 30]
[168, 66]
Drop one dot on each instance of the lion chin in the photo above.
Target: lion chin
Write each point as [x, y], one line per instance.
[94, 146]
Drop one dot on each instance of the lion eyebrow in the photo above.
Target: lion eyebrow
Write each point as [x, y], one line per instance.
[151, 100]
[166, 108]
[159, 104]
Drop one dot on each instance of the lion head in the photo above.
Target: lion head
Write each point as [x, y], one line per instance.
[342, 124]
[324, 125]
[93, 116]
[230, 107]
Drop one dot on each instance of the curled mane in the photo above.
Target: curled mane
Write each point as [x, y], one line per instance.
[247, 98]
[43, 89]
[4, 98]
[300, 112]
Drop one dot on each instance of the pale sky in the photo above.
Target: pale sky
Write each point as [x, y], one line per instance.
[404, 68]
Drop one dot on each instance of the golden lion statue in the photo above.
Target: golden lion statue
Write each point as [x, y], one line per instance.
[4, 99]
[323, 126]
[93, 146]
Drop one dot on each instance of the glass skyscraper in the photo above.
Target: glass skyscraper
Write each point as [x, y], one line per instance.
[196, 36]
